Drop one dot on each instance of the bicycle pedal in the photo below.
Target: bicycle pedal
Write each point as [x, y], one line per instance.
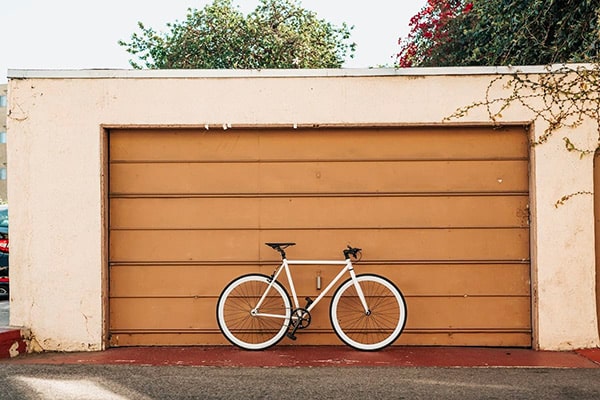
[309, 301]
[291, 336]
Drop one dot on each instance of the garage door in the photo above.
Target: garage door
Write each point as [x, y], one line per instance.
[443, 212]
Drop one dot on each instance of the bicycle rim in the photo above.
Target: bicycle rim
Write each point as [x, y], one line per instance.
[237, 323]
[373, 331]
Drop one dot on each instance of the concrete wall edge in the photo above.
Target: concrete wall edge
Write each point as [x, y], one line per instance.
[283, 73]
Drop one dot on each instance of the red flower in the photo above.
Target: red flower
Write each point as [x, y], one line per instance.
[428, 29]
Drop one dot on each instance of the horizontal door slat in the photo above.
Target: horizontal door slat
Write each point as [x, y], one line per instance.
[412, 279]
[469, 313]
[378, 244]
[318, 144]
[320, 177]
[437, 313]
[502, 338]
[315, 212]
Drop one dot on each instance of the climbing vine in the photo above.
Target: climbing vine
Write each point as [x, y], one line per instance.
[565, 96]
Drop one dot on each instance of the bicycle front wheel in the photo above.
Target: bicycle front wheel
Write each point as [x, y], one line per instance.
[246, 326]
[375, 329]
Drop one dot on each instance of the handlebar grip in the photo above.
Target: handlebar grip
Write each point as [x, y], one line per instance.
[351, 251]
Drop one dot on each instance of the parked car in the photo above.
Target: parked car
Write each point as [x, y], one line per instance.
[3, 251]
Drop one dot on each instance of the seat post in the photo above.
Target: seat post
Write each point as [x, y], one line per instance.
[281, 251]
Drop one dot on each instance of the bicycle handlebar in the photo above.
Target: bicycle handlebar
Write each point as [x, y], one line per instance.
[354, 251]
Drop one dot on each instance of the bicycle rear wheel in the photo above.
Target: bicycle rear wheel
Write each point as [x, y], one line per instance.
[235, 312]
[376, 329]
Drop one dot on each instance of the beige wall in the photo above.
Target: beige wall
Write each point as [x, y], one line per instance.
[3, 112]
[57, 175]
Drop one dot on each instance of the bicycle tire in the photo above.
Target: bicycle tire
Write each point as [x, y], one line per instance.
[237, 323]
[368, 331]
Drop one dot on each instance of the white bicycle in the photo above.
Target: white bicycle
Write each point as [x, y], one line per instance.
[367, 311]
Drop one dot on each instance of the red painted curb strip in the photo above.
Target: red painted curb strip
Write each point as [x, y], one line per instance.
[12, 343]
[319, 356]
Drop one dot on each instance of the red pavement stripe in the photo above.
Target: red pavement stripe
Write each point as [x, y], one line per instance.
[591, 354]
[315, 356]
[11, 343]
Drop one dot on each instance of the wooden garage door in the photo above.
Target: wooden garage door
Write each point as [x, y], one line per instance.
[443, 212]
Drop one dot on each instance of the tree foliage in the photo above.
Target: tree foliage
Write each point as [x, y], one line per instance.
[277, 34]
[502, 32]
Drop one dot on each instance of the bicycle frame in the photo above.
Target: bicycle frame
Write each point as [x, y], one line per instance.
[285, 266]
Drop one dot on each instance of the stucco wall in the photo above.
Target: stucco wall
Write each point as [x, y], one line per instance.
[55, 150]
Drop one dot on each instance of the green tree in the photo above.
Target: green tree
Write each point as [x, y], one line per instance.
[504, 32]
[277, 34]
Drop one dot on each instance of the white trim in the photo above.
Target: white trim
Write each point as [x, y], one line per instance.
[278, 73]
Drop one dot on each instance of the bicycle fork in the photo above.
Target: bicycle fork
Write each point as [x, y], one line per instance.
[359, 290]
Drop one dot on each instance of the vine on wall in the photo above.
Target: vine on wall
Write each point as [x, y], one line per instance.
[565, 96]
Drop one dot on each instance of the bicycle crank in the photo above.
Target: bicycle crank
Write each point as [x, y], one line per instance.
[300, 319]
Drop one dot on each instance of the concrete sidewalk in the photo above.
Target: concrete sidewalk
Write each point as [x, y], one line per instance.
[320, 356]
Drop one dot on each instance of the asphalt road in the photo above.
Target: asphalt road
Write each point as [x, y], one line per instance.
[110, 382]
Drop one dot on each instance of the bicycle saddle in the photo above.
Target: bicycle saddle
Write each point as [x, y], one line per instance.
[281, 245]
